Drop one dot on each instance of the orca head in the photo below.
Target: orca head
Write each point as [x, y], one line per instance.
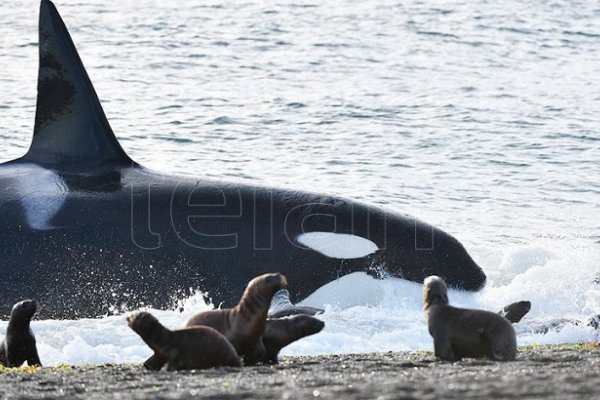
[431, 251]
[462, 272]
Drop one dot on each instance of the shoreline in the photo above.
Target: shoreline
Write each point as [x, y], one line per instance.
[547, 371]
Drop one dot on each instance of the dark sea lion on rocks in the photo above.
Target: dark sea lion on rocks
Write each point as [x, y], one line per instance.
[283, 331]
[19, 344]
[514, 312]
[198, 347]
[459, 332]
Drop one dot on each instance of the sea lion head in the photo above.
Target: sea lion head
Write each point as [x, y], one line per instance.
[308, 324]
[435, 291]
[267, 284]
[142, 321]
[24, 309]
[514, 312]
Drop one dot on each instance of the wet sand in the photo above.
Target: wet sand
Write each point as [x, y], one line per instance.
[549, 372]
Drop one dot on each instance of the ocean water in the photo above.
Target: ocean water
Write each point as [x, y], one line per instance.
[478, 117]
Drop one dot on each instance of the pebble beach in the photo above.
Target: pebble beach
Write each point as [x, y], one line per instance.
[549, 372]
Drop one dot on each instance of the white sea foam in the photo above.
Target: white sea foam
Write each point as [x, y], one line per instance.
[363, 314]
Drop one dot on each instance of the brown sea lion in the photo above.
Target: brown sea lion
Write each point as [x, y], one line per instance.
[19, 344]
[244, 324]
[283, 331]
[198, 347]
[459, 332]
[514, 312]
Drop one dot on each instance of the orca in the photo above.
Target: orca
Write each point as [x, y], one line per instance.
[89, 232]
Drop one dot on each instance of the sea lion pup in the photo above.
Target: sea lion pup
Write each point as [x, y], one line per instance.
[19, 344]
[283, 331]
[514, 312]
[198, 347]
[459, 332]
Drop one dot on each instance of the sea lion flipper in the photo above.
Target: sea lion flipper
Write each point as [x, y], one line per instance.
[258, 354]
[3, 358]
[33, 358]
[443, 349]
[12, 357]
[155, 362]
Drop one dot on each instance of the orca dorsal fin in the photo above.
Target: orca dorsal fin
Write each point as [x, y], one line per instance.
[71, 132]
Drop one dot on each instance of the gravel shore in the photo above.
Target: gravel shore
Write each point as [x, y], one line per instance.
[549, 372]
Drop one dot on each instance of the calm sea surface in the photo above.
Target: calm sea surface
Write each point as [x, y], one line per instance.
[482, 118]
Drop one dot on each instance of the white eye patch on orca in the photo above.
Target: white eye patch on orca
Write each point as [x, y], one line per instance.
[41, 192]
[337, 245]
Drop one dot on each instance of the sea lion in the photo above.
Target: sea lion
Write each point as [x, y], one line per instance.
[19, 344]
[514, 312]
[283, 331]
[459, 332]
[278, 333]
[198, 347]
[244, 324]
[281, 306]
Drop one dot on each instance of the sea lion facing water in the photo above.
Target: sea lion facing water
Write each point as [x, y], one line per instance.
[198, 347]
[459, 332]
[19, 344]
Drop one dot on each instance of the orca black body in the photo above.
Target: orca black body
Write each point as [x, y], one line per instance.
[90, 232]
